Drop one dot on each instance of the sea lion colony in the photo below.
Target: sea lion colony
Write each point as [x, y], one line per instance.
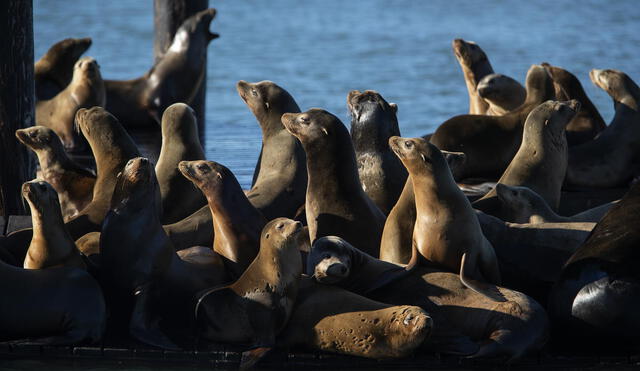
[360, 243]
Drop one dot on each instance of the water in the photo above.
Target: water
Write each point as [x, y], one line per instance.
[320, 50]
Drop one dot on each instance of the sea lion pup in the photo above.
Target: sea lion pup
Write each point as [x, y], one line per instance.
[541, 161]
[255, 308]
[610, 159]
[176, 77]
[112, 148]
[85, 90]
[54, 70]
[280, 178]
[600, 282]
[447, 232]
[180, 142]
[332, 319]
[523, 205]
[490, 142]
[502, 93]
[475, 66]
[587, 123]
[373, 122]
[73, 183]
[51, 245]
[335, 202]
[236, 223]
[512, 328]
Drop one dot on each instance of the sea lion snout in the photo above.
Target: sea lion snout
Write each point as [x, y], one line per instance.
[331, 270]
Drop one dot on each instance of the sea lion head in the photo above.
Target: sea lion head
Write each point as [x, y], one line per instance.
[86, 68]
[620, 87]
[329, 260]
[564, 81]
[100, 128]
[497, 87]
[282, 233]
[179, 119]
[552, 118]
[407, 328]
[266, 98]
[136, 186]
[38, 137]
[313, 128]
[211, 177]
[517, 200]
[418, 155]
[40, 195]
[467, 52]
[62, 54]
[197, 24]
[373, 120]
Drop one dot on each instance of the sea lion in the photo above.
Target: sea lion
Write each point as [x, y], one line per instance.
[54, 70]
[255, 308]
[73, 183]
[611, 159]
[587, 123]
[280, 178]
[85, 90]
[112, 148]
[335, 202]
[502, 93]
[523, 205]
[373, 122]
[51, 245]
[332, 319]
[475, 66]
[490, 142]
[194, 230]
[512, 328]
[541, 160]
[174, 78]
[89, 246]
[236, 223]
[447, 232]
[180, 142]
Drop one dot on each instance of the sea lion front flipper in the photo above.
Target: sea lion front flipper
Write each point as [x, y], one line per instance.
[483, 288]
[251, 357]
[145, 328]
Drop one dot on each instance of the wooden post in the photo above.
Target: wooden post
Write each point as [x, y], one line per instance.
[16, 101]
[168, 15]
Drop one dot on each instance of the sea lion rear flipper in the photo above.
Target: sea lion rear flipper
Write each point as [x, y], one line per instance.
[145, 328]
[483, 288]
[251, 357]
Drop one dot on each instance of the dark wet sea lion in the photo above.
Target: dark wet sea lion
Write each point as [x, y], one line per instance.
[502, 93]
[280, 179]
[73, 183]
[373, 122]
[335, 320]
[255, 308]
[236, 223]
[490, 142]
[475, 66]
[335, 202]
[461, 317]
[611, 159]
[174, 78]
[51, 245]
[54, 70]
[180, 142]
[85, 90]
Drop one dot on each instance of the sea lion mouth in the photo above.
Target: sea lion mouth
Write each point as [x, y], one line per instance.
[187, 170]
[242, 87]
[289, 122]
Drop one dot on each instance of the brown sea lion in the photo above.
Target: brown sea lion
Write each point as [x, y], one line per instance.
[194, 230]
[490, 142]
[512, 328]
[541, 160]
[373, 122]
[446, 232]
[54, 70]
[73, 183]
[332, 319]
[502, 93]
[475, 66]
[611, 159]
[51, 245]
[180, 142]
[587, 123]
[335, 202]
[174, 78]
[85, 90]
[236, 223]
[255, 308]
[280, 178]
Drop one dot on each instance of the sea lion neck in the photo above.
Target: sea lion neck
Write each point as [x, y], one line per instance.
[270, 121]
[335, 161]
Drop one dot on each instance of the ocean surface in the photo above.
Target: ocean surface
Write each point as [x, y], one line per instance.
[320, 50]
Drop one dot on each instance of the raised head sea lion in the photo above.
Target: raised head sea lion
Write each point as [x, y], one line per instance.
[73, 183]
[475, 65]
[611, 159]
[490, 142]
[335, 202]
[502, 93]
[280, 179]
[373, 122]
[180, 142]
[85, 90]
[54, 70]
[51, 245]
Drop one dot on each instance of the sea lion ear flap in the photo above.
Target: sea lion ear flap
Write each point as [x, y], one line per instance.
[394, 107]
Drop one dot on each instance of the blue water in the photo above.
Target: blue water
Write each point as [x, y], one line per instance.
[320, 50]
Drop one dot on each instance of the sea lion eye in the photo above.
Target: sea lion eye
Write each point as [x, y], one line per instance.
[33, 134]
[280, 226]
[408, 144]
[201, 167]
[304, 120]
[254, 92]
[326, 256]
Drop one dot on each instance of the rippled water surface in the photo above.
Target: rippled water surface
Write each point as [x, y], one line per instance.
[320, 50]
